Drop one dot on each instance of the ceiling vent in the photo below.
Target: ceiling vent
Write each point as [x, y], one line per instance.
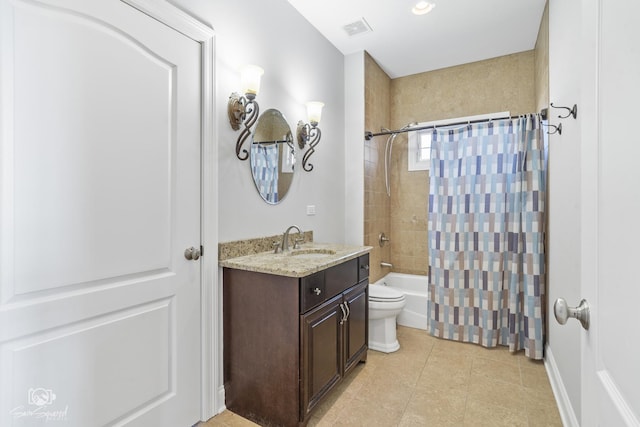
[357, 27]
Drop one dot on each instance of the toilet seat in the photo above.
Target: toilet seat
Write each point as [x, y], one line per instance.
[379, 293]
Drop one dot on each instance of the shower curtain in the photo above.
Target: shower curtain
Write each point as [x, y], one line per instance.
[486, 234]
[264, 167]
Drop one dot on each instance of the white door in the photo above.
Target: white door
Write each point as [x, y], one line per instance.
[99, 198]
[611, 212]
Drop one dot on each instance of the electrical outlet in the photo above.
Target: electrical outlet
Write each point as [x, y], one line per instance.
[311, 209]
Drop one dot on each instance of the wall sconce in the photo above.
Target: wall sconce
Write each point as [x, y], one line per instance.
[310, 132]
[243, 110]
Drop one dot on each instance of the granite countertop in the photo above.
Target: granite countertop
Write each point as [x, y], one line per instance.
[308, 259]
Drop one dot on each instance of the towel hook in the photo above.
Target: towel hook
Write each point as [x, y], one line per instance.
[572, 111]
[556, 129]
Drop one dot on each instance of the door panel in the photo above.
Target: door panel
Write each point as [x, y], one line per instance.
[357, 326]
[108, 351]
[101, 114]
[68, 183]
[611, 395]
[99, 197]
[321, 350]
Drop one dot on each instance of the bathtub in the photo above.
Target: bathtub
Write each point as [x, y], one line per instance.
[414, 288]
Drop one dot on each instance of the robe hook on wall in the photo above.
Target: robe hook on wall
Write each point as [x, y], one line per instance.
[556, 129]
[572, 111]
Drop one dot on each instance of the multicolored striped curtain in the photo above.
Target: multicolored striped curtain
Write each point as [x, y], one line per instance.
[486, 234]
[264, 167]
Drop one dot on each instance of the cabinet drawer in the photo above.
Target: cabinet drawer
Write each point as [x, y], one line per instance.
[341, 277]
[363, 267]
[312, 291]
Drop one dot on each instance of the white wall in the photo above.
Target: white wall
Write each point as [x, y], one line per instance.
[564, 202]
[300, 65]
[354, 148]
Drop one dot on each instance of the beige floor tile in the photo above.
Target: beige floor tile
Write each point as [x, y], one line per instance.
[543, 415]
[435, 382]
[448, 347]
[501, 353]
[319, 422]
[525, 362]
[496, 370]
[539, 395]
[481, 414]
[390, 396]
[492, 392]
[535, 378]
[228, 419]
[359, 378]
[439, 377]
[330, 409]
[368, 413]
[400, 371]
[435, 408]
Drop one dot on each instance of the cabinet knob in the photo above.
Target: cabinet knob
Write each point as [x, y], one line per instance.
[317, 291]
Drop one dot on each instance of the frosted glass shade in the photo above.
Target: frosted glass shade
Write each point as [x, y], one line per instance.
[250, 79]
[314, 112]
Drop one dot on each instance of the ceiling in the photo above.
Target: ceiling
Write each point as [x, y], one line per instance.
[455, 32]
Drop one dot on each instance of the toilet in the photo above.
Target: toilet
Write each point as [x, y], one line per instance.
[384, 306]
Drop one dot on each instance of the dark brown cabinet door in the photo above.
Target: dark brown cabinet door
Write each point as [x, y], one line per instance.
[356, 326]
[321, 351]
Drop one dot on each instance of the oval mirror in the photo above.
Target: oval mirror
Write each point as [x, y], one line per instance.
[272, 156]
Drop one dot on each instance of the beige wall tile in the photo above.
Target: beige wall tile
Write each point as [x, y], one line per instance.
[377, 115]
[541, 59]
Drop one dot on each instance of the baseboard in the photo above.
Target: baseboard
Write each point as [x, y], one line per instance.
[221, 400]
[567, 413]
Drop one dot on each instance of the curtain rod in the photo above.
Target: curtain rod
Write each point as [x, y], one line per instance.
[368, 135]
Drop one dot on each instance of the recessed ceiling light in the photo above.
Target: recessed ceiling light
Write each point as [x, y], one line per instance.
[422, 8]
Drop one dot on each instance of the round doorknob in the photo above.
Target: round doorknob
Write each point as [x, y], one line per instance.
[563, 312]
[192, 254]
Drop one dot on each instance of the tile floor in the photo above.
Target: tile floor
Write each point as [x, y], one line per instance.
[433, 382]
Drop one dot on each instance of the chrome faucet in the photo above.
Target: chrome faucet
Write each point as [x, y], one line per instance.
[284, 246]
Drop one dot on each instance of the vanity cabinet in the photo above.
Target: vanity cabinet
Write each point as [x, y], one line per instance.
[289, 341]
[334, 338]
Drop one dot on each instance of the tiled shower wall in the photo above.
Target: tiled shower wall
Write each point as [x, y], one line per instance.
[376, 202]
[505, 83]
[541, 59]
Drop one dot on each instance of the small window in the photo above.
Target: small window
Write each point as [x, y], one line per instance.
[419, 150]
